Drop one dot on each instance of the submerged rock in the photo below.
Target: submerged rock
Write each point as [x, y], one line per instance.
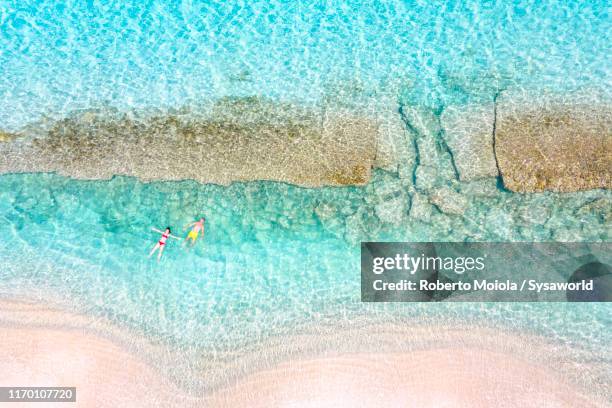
[482, 188]
[421, 120]
[392, 211]
[433, 163]
[558, 143]
[325, 211]
[468, 131]
[566, 235]
[536, 214]
[237, 140]
[394, 151]
[420, 209]
[449, 201]
[425, 177]
[599, 207]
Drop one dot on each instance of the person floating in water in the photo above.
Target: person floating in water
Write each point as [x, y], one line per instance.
[196, 228]
[161, 244]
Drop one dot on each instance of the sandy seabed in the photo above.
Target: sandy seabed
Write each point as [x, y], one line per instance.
[106, 374]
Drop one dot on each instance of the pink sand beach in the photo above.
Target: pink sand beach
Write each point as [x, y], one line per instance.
[106, 374]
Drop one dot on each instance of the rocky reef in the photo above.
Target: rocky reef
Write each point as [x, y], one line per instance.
[530, 142]
[522, 141]
[427, 173]
[468, 131]
[235, 140]
[554, 143]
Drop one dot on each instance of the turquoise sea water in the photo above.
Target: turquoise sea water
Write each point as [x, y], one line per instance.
[59, 56]
[275, 255]
[272, 258]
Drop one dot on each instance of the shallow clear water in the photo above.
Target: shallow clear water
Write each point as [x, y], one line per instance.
[275, 255]
[59, 56]
[271, 258]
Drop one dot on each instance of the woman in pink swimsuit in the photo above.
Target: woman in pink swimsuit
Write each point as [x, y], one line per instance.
[161, 244]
